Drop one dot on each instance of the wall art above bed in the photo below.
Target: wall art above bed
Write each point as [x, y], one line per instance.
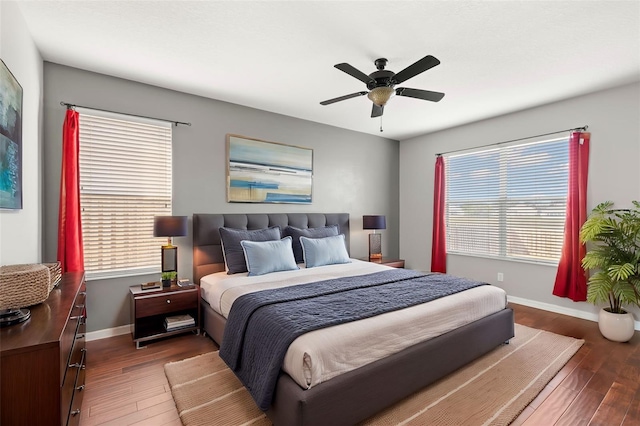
[268, 172]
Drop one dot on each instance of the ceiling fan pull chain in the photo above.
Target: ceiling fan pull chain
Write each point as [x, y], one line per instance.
[381, 125]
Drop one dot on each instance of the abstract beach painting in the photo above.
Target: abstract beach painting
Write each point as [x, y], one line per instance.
[10, 140]
[268, 172]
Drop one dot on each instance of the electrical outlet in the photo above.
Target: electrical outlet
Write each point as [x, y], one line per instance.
[500, 277]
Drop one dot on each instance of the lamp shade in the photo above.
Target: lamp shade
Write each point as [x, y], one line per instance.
[169, 226]
[374, 222]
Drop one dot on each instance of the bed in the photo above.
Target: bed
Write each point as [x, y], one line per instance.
[361, 391]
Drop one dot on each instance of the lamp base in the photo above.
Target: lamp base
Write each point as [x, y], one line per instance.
[375, 246]
[13, 316]
[169, 258]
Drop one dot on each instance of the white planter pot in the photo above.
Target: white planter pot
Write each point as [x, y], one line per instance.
[616, 327]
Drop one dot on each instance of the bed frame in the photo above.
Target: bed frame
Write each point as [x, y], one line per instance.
[358, 394]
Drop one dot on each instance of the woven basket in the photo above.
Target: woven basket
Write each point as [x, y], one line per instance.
[24, 285]
[55, 274]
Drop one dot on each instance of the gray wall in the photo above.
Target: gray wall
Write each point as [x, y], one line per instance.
[613, 117]
[353, 172]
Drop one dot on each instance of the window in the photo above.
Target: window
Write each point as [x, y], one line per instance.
[125, 180]
[508, 202]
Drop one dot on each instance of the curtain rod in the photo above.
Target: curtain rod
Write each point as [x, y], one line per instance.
[514, 140]
[72, 106]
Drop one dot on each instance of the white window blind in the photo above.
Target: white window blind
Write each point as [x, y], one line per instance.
[508, 202]
[125, 180]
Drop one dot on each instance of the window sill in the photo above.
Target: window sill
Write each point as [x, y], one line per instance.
[96, 276]
[551, 264]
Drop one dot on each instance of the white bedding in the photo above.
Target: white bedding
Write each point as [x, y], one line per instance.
[322, 354]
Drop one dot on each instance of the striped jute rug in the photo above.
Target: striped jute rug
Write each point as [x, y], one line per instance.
[492, 390]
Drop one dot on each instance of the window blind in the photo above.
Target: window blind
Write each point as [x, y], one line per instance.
[508, 202]
[125, 180]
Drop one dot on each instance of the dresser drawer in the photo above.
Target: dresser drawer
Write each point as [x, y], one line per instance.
[77, 394]
[75, 326]
[159, 304]
[75, 369]
[66, 394]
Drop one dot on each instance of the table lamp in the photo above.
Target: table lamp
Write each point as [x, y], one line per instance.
[169, 226]
[375, 240]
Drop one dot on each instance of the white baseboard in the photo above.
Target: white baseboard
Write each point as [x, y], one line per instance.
[108, 332]
[559, 309]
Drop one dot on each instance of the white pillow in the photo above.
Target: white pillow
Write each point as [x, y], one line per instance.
[264, 257]
[324, 251]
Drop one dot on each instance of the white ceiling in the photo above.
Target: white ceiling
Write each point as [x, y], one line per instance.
[496, 56]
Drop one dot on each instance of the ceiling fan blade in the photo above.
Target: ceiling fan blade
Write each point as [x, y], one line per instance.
[412, 70]
[419, 94]
[354, 72]
[343, 98]
[377, 111]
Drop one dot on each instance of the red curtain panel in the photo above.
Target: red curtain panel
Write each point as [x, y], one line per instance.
[70, 249]
[571, 279]
[439, 243]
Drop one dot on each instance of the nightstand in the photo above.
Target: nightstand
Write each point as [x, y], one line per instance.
[149, 308]
[387, 261]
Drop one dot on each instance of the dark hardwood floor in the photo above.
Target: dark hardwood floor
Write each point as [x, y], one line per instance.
[600, 385]
[127, 386]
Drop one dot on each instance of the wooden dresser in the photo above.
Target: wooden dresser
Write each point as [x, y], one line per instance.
[43, 360]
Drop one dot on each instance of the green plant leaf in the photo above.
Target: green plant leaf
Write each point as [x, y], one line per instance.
[625, 292]
[594, 260]
[621, 272]
[613, 255]
[599, 288]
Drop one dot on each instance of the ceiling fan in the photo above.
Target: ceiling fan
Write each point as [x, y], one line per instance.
[381, 83]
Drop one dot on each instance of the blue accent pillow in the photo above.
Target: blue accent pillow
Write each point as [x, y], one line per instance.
[296, 233]
[264, 257]
[232, 250]
[324, 251]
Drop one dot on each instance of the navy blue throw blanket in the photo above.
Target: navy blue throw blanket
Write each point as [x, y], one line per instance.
[262, 325]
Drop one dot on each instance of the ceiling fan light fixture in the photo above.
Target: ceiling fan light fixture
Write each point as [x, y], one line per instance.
[380, 95]
[381, 83]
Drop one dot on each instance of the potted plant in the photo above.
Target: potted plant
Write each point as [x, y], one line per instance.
[614, 255]
[168, 277]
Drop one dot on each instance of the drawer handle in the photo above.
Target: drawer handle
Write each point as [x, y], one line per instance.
[80, 336]
[80, 306]
[75, 412]
[83, 293]
[76, 317]
[75, 365]
[80, 388]
[83, 350]
[168, 300]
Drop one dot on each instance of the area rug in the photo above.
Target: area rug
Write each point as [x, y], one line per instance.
[493, 390]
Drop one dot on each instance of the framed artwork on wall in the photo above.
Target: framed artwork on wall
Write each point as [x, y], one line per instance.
[268, 172]
[10, 140]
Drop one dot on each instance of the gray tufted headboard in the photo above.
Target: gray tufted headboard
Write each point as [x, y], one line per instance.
[207, 250]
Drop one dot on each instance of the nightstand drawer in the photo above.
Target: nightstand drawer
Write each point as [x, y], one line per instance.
[387, 261]
[398, 263]
[159, 304]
